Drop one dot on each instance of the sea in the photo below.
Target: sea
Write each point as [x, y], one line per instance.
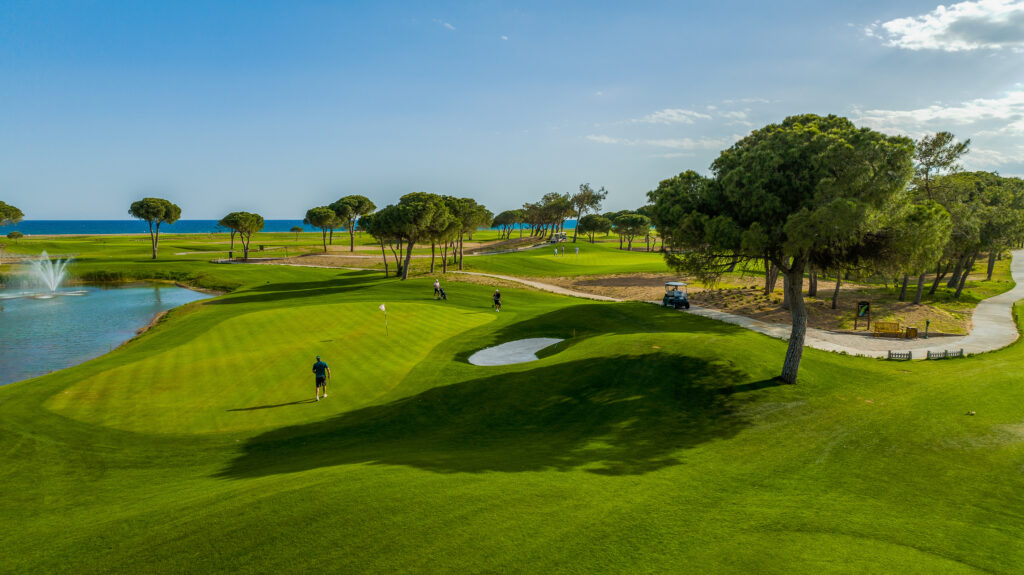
[97, 227]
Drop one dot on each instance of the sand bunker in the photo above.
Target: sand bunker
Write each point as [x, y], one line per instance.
[519, 351]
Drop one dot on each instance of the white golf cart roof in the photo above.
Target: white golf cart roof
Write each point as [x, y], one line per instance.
[679, 284]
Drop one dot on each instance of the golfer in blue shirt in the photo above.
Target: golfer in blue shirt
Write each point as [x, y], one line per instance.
[322, 372]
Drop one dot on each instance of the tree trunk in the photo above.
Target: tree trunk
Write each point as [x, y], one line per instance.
[732, 264]
[394, 254]
[963, 276]
[575, 229]
[835, 292]
[331, 241]
[771, 278]
[444, 258]
[620, 241]
[968, 268]
[940, 273]
[352, 236]
[323, 236]
[384, 256]
[408, 258]
[812, 283]
[431, 257]
[920, 288]
[461, 252]
[991, 264]
[786, 290]
[798, 311]
[903, 288]
[152, 238]
[953, 281]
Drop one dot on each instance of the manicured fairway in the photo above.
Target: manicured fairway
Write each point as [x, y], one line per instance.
[648, 441]
[599, 258]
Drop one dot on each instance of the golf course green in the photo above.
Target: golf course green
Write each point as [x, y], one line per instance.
[649, 440]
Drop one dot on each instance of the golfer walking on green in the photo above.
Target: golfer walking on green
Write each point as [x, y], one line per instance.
[322, 372]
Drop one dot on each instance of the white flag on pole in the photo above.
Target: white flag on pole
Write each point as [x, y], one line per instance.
[382, 308]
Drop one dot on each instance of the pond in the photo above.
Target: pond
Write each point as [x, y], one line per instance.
[38, 336]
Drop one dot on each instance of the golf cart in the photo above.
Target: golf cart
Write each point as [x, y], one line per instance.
[675, 295]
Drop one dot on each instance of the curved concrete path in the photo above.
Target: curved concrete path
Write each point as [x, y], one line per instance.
[993, 329]
[543, 286]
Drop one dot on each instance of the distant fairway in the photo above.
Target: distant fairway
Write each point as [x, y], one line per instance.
[593, 259]
[648, 441]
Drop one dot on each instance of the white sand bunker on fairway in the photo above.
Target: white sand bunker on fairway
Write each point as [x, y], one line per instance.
[519, 351]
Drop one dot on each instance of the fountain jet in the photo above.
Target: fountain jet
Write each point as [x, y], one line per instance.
[48, 272]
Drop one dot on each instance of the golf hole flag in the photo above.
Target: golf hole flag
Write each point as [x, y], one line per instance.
[385, 310]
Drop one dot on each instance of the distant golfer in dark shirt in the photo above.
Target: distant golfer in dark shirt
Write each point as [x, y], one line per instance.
[322, 373]
[497, 300]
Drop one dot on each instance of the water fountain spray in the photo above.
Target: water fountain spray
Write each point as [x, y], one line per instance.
[48, 272]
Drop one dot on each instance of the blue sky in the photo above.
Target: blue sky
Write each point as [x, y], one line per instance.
[277, 107]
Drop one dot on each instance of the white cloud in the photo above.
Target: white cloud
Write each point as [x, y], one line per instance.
[989, 158]
[603, 139]
[673, 116]
[737, 118]
[504, 37]
[745, 101]
[1006, 112]
[974, 25]
[445, 24]
[688, 144]
[669, 143]
[995, 126]
[735, 115]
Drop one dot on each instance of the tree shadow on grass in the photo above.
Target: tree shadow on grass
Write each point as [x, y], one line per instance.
[576, 323]
[295, 290]
[622, 415]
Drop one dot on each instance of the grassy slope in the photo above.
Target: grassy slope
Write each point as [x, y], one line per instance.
[651, 441]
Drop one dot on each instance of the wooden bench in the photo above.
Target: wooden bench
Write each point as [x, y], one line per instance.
[887, 329]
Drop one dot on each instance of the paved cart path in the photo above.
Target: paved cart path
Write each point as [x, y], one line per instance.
[994, 327]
